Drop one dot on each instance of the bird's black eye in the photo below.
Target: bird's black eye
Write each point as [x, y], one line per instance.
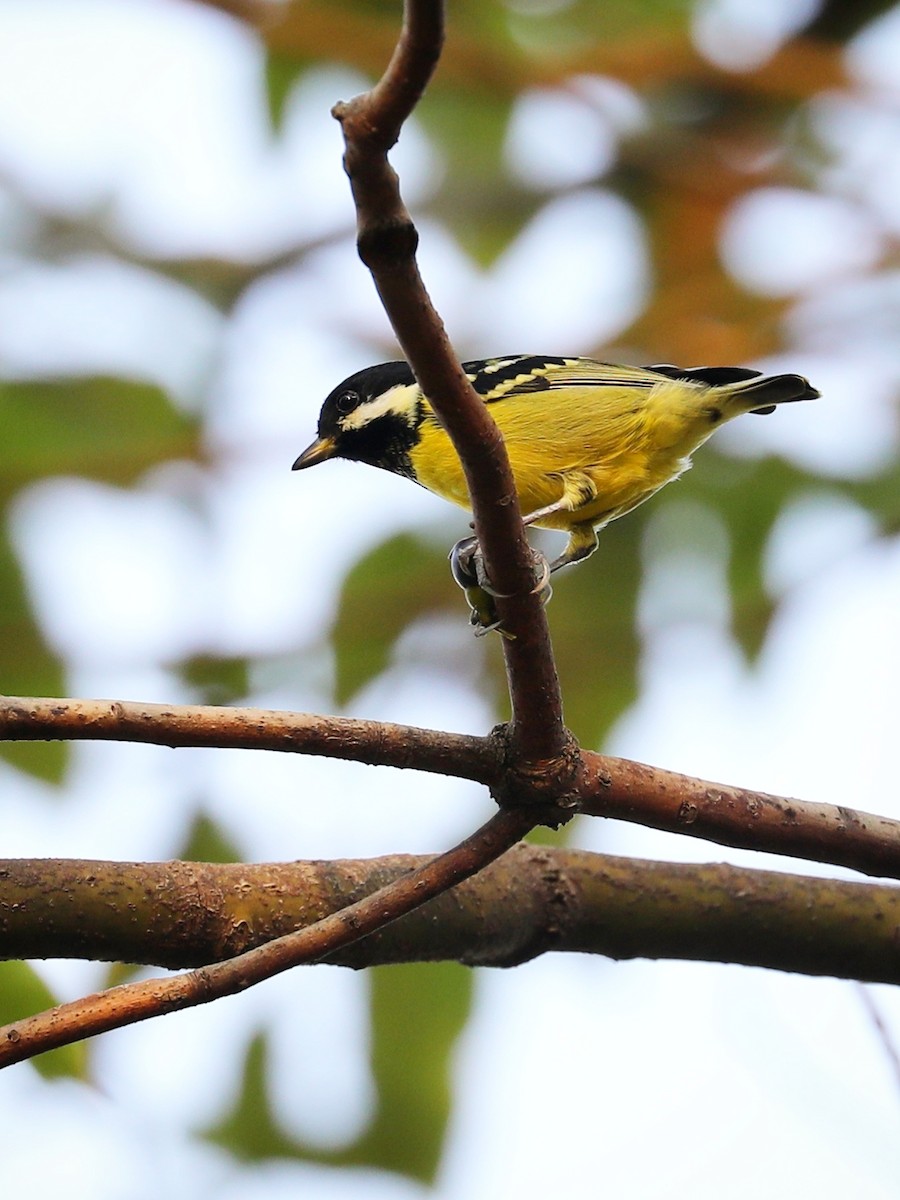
[346, 402]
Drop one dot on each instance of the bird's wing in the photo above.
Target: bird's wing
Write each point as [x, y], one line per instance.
[586, 372]
[498, 378]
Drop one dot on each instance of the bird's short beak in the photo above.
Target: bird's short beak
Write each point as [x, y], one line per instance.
[320, 451]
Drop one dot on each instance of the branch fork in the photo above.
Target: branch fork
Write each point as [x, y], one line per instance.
[532, 766]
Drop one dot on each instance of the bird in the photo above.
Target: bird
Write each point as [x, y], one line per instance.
[588, 441]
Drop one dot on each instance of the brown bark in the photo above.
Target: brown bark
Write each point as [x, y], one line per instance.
[530, 901]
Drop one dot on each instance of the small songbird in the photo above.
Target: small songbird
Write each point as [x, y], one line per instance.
[587, 441]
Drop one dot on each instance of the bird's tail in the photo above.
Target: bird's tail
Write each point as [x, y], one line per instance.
[754, 391]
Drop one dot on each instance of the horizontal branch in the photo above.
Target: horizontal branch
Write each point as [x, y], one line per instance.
[377, 743]
[738, 817]
[531, 901]
[603, 786]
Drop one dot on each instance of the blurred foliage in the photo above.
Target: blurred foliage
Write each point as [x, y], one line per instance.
[216, 680]
[471, 127]
[206, 841]
[251, 1130]
[592, 619]
[23, 992]
[282, 73]
[417, 1012]
[706, 139]
[110, 430]
[388, 589]
[29, 667]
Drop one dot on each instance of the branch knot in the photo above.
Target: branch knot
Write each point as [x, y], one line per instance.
[388, 244]
[548, 784]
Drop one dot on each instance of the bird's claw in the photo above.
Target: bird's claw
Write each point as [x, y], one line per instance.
[462, 567]
[543, 584]
[467, 568]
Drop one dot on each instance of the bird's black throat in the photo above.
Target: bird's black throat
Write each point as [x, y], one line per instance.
[385, 442]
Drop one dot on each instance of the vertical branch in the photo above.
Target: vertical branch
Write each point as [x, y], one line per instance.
[387, 241]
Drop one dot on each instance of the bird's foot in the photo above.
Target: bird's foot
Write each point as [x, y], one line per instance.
[468, 569]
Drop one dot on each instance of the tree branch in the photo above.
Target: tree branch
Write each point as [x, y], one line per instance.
[377, 743]
[134, 1002]
[732, 816]
[601, 786]
[532, 900]
[387, 241]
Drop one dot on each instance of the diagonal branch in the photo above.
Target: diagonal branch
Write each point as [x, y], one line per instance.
[888, 1045]
[133, 1002]
[387, 241]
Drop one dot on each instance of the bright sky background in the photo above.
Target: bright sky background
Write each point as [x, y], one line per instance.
[646, 1080]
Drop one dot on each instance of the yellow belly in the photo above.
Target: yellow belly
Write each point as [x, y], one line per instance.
[624, 466]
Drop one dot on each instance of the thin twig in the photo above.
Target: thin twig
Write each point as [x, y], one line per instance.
[132, 1002]
[884, 1035]
[387, 241]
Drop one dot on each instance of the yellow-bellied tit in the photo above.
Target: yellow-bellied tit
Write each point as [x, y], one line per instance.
[587, 441]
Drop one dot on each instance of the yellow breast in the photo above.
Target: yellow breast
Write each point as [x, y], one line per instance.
[627, 446]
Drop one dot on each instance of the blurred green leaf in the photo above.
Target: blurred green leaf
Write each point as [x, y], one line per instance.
[418, 1012]
[118, 973]
[879, 494]
[107, 429]
[564, 28]
[592, 622]
[591, 618]
[552, 29]
[478, 200]
[216, 680]
[403, 578]
[28, 667]
[282, 72]
[207, 842]
[23, 993]
[250, 1131]
[749, 496]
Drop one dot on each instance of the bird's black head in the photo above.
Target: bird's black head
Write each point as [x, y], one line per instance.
[372, 417]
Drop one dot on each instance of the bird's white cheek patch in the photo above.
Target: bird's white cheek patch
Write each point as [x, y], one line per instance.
[400, 401]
